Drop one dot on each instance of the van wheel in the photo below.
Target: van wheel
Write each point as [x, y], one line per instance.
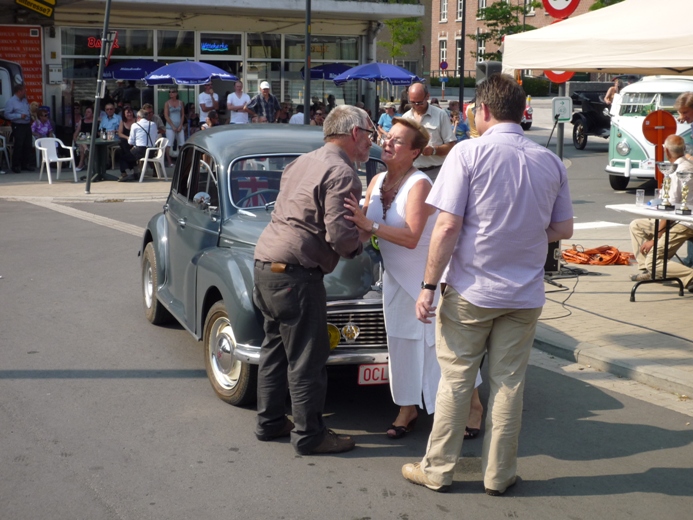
[618, 183]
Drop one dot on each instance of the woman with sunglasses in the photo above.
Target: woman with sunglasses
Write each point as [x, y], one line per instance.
[42, 127]
[174, 114]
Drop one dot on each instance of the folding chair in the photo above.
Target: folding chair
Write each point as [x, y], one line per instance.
[47, 145]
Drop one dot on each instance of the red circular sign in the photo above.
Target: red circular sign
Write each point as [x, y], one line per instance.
[558, 76]
[443, 65]
[560, 8]
[658, 125]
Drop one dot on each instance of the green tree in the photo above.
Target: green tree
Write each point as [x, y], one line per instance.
[403, 31]
[603, 3]
[501, 18]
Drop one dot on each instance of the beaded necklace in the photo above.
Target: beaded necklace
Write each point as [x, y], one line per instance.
[394, 195]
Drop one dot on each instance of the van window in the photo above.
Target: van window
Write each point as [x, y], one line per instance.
[638, 103]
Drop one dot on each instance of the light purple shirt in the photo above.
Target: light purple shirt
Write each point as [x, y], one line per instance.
[508, 190]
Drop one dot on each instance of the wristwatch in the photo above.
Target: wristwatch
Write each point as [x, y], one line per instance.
[375, 227]
[435, 151]
[429, 286]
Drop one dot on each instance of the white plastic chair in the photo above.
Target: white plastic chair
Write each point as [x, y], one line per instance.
[3, 150]
[157, 156]
[49, 153]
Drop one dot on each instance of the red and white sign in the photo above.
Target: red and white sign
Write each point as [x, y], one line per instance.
[558, 76]
[23, 44]
[374, 374]
[560, 8]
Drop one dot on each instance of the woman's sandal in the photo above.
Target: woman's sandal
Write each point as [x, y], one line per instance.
[471, 433]
[401, 431]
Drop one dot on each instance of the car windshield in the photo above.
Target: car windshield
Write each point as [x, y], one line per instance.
[254, 180]
[642, 103]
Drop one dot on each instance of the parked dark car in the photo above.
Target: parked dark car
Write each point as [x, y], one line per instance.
[197, 256]
[593, 118]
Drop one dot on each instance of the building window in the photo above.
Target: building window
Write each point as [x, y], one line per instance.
[460, 8]
[443, 54]
[529, 8]
[458, 56]
[443, 10]
[480, 45]
[482, 5]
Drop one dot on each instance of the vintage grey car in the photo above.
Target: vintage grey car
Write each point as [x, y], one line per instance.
[197, 256]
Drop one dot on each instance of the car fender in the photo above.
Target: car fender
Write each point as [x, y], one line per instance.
[228, 274]
[157, 233]
[578, 118]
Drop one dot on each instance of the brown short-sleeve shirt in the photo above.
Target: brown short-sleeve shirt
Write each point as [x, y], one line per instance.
[308, 225]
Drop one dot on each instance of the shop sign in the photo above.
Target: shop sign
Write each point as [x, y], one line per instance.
[22, 44]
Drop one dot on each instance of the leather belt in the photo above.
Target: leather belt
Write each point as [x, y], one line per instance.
[428, 168]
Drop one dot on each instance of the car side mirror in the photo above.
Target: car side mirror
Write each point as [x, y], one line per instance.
[202, 200]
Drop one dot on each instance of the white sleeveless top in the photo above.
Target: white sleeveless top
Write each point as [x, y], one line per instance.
[404, 267]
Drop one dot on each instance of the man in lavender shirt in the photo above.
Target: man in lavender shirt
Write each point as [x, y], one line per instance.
[502, 199]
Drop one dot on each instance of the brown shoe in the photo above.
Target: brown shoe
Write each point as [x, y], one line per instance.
[499, 492]
[284, 432]
[334, 443]
[414, 474]
[641, 277]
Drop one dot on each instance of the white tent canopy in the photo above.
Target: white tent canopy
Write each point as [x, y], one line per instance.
[635, 36]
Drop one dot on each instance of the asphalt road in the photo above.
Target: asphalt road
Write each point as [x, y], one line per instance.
[104, 416]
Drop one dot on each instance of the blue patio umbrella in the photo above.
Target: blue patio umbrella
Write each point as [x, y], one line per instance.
[188, 73]
[378, 72]
[327, 71]
[130, 69]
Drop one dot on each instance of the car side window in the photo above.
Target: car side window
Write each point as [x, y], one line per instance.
[207, 180]
[185, 172]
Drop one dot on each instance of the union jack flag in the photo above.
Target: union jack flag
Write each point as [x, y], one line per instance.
[249, 185]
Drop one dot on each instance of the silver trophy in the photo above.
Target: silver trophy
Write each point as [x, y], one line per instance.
[684, 178]
[667, 169]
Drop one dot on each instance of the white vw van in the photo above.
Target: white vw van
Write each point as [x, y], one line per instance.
[630, 154]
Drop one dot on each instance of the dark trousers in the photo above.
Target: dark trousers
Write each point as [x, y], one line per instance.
[127, 160]
[293, 354]
[23, 151]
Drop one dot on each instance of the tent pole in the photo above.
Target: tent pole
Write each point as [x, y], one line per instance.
[559, 132]
[306, 67]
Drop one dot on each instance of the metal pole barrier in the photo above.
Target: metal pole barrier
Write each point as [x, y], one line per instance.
[100, 91]
[461, 58]
[306, 67]
[559, 132]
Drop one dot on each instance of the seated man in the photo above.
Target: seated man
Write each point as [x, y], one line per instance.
[642, 230]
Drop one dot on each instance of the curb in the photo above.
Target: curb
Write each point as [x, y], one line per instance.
[614, 362]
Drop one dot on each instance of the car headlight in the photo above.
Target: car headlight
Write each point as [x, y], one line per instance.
[623, 148]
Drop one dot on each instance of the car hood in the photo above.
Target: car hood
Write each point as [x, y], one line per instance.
[351, 279]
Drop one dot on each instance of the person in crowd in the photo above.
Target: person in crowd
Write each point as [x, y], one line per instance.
[207, 101]
[154, 118]
[131, 95]
[237, 104]
[459, 127]
[85, 127]
[290, 263]
[471, 107]
[264, 107]
[118, 94]
[453, 105]
[127, 160]
[111, 121]
[385, 120]
[283, 115]
[297, 118]
[212, 120]
[437, 123]
[331, 103]
[33, 108]
[642, 230]
[143, 135]
[613, 91]
[318, 118]
[18, 112]
[174, 114]
[489, 305]
[193, 119]
[684, 106]
[435, 102]
[42, 127]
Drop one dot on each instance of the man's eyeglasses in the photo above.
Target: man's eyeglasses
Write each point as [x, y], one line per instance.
[369, 130]
[417, 103]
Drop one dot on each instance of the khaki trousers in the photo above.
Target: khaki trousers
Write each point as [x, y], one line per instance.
[642, 229]
[463, 333]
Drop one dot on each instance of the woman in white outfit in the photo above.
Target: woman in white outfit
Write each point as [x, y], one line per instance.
[175, 122]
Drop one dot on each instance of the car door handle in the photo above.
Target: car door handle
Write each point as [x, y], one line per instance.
[182, 221]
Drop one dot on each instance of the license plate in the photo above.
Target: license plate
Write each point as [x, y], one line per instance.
[375, 374]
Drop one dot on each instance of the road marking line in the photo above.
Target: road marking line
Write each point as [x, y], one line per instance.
[596, 225]
[91, 217]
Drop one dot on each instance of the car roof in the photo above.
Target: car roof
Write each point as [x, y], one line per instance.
[230, 141]
[655, 84]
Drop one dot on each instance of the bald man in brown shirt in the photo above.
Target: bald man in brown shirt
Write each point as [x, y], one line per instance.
[303, 242]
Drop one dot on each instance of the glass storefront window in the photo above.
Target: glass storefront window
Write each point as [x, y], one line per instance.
[329, 48]
[87, 42]
[259, 71]
[319, 89]
[213, 44]
[176, 43]
[264, 46]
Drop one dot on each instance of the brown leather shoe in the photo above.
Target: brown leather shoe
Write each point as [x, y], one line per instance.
[334, 443]
[414, 474]
[284, 432]
[499, 492]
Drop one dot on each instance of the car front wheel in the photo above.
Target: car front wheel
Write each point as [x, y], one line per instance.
[618, 183]
[579, 137]
[153, 310]
[233, 381]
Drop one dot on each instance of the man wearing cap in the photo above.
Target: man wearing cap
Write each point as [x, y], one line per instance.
[437, 122]
[208, 101]
[385, 121]
[264, 106]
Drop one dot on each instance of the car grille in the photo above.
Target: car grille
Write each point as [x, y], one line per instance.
[371, 324]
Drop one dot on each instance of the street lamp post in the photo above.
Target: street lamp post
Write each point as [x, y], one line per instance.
[306, 67]
[460, 72]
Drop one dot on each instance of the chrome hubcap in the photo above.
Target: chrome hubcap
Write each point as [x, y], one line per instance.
[225, 366]
[148, 286]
